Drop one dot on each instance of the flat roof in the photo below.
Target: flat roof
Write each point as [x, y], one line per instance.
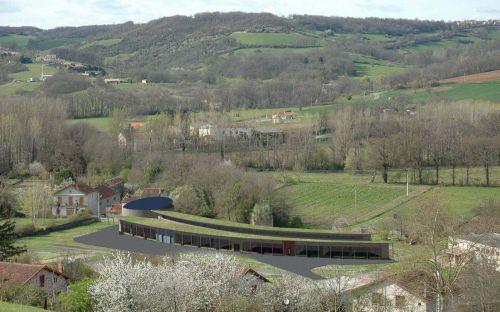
[222, 222]
[192, 229]
[149, 203]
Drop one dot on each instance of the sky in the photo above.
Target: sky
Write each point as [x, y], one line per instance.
[53, 13]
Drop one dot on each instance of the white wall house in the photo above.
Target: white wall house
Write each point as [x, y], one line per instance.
[78, 197]
[404, 293]
[476, 247]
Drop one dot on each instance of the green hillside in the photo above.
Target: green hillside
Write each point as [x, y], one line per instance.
[275, 39]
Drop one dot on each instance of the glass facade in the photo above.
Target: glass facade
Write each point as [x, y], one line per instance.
[311, 249]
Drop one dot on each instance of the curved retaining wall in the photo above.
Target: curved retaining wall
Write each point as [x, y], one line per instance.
[265, 232]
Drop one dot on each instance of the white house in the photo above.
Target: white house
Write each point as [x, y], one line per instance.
[283, 116]
[77, 197]
[402, 293]
[476, 247]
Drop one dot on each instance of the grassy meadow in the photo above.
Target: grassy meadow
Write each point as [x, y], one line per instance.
[320, 199]
[19, 41]
[12, 307]
[275, 39]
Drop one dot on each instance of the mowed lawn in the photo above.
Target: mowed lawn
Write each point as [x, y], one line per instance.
[457, 200]
[49, 246]
[321, 198]
[12, 307]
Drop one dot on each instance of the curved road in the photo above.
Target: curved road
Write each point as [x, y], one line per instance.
[110, 238]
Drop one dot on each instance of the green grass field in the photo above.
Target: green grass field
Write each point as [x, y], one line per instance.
[34, 71]
[484, 91]
[49, 246]
[457, 200]
[53, 43]
[18, 41]
[12, 307]
[321, 198]
[11, 88]
[102, 42]
[275, 39]
[117, 58]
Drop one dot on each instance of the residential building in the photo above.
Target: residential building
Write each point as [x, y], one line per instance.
[133, 138]
[118, 184]
[46, 58]
[406, 292]
[77, 197]
[108, 198]
[475, 247]
[283, 116]
[40, 275]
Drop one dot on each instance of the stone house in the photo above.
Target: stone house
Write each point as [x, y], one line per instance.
[474, 247]
[52, 281]
[406, 292]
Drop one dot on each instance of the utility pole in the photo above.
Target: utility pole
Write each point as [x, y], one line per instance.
[407, 185]
[98, 206]
[355, 198]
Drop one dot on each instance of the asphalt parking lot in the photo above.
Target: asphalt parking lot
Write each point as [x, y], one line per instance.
[110, 238]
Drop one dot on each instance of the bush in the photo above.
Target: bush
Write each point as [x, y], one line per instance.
[26, 229]
[78, 297]
[23, 294]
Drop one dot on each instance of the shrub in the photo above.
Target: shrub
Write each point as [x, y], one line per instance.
[23, 294]
[26, 229]
[78, 297]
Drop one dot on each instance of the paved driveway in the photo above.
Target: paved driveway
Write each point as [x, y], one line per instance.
[110, 238]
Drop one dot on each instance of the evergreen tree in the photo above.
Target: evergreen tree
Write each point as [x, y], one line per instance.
[7, 239]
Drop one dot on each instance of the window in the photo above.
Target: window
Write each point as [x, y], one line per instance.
[41, 280]
[400, 301]
[377, 299]
[59, 200]
[70, 200]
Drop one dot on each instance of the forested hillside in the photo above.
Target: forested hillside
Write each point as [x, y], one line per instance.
[249, 60]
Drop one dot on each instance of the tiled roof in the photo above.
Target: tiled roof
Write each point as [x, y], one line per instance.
[20, 273]
[84, 188]
[116, 180]
[106, 191]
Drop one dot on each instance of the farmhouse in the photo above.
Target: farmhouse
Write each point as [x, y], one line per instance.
[283, 116]
[406, 292]
[475, 247]
[46, 58]
[77, 197]
[52, 281]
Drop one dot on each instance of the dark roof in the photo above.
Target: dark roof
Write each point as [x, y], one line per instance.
[149, 203]
[20, 273]
[84, 188]
[106, 191]
[250, 271]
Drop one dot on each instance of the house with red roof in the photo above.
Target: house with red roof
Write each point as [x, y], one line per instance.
[77, 197]
[40, 275]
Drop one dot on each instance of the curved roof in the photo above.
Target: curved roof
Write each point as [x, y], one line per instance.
[149, 203]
